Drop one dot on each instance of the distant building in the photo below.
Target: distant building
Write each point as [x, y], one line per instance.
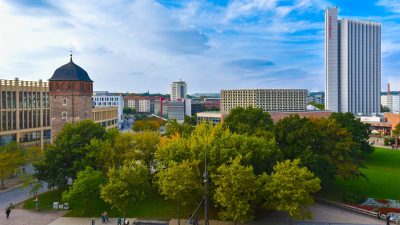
[320, 99]
[196, 106]
[161, 107]
[178, 90]
[142, 104]
[210, 117]
[391, 101]
[101, 100]
[276, 116]
[352, 64]
[212, 104]
[179, 109]
[266, 99]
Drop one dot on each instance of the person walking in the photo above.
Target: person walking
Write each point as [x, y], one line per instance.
[387, 219]
[103, 218]
[8, 211]
[119, 221]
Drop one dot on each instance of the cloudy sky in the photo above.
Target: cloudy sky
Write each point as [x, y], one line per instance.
[141, 45]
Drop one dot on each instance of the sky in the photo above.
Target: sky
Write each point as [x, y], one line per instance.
[144, 45]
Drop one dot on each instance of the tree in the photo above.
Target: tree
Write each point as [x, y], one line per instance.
[235, 192]
[180, 182]
[85, 187]
[152, 124]
[319, 106]
[173, 127]
[190, 120]
[396, 132]
[126, 184]
[12, 157]
[289, 189]
[248, 121]
[68, 154]
[30, 182]
[385, 109]
[129, 111]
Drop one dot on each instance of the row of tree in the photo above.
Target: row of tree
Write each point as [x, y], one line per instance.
[251, 161]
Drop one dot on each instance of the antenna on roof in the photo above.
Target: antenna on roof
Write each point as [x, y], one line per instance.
[70, 55]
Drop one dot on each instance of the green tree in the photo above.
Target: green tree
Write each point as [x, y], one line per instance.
[236, 188]
[148, 124]
[129, 111]
[85, 187]
[180, 182]
[289, 189]
[12, 157]
[385, 109]
[190, 120]
[173, 127]
[125, 185]
[68, 154]
[248, 121]
[30, 182]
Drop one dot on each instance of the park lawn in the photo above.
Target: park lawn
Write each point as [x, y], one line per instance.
[383, 174]
[154, 207]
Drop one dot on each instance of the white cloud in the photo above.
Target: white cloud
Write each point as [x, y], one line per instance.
[390, 5]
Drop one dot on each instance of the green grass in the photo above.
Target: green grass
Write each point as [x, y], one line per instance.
[155, 207]
[383, 174]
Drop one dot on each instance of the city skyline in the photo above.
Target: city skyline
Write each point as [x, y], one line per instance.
[144, 45]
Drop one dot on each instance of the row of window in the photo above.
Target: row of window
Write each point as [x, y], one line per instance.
[26, 100]
[27, 119]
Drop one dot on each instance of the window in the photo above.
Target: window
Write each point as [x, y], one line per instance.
[64, 115]
[64, 101]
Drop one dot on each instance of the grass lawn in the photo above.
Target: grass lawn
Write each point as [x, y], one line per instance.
[383, 173]
[155, 206]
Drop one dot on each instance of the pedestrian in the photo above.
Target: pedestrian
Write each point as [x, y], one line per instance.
[190, 220]
[119, 221]
[387, 219]
[103, 218]
[8, 211]
[126, 222]
[106, 216]
[93, 221]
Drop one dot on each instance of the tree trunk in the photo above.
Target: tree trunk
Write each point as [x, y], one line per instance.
[179, 213]
[290, 219]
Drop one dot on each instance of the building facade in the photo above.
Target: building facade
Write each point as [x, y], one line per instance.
[142, 104]
[391, 101]
[266, 99]
[101, 100]
[178, 90]
[25, 112]
[352, 64]
[210, 117]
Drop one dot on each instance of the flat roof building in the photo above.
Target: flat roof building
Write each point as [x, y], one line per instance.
[266, 99]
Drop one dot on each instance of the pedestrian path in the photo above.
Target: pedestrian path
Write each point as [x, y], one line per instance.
[28, 217]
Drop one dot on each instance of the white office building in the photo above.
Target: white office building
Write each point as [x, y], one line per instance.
[352, 64]
[178, 90]
[392, 102]
[105, 100]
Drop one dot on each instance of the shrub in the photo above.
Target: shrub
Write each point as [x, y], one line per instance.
[353, 197]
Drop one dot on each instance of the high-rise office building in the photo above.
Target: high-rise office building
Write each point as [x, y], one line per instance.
[178, 90]
[352, 64]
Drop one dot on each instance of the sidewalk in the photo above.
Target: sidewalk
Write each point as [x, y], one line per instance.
[11, 184]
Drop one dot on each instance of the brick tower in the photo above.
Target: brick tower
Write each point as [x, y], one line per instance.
[71, 91]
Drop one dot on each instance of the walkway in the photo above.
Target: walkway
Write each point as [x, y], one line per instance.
[16, 196]
[28, 217]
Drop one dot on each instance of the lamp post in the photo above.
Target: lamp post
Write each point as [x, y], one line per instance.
[205, 176]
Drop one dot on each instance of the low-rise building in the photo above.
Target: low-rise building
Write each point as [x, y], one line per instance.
[266, 99]
[391, 101]
[210, 117]
[103, 99]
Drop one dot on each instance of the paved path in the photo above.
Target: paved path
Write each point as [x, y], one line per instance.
[28, 217]
[16, 196]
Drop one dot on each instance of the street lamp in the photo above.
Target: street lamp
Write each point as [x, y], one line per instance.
[205, 176]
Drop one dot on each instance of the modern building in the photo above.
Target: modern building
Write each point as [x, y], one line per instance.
[352, 64]
[196, 106]
[142, 104]
[25, 112]
[103, 99]
[320, 99]
[279, 115]
[266, 99]
[179, 109]
[161, 107]
[212, 104]
[178, 90]
[210, 117]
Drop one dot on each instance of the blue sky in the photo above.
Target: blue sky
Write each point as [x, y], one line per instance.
[141, 45]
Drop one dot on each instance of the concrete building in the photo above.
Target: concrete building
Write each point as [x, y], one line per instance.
[178, 90]
[210, 117]
[391, 101]
[212, 104]
[352, 64]
[25, 112]
[320, 99]
[103, 99]
[161, 107]
[179, 109]
[142, 104]
[266, 99]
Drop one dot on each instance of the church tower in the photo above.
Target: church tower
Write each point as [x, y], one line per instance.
[70, 90]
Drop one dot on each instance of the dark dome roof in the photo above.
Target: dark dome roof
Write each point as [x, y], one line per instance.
[70, 71]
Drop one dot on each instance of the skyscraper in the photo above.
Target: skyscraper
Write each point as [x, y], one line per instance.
[352, 64]
[178, 90]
